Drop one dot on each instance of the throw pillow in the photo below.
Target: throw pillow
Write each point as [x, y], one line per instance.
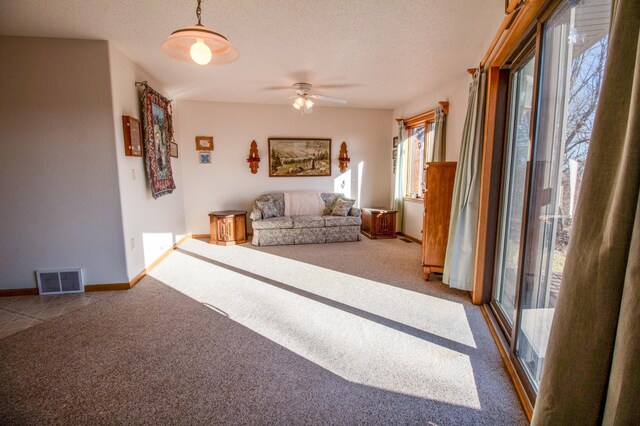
[342, 206]
[279, 206]
[268, 209]
[329, 201]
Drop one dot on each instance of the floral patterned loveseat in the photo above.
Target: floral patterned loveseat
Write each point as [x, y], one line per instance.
[304, 229]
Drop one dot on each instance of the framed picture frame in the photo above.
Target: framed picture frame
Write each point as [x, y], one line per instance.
[395, 154]
[204, 143]
[174, 150]
[204, 157]
[395, 142]
[132, 136]
[293, 157]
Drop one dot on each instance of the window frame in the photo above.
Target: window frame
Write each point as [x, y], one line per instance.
[426, 119]
[529, 48]
[410, 163]
[528, 24]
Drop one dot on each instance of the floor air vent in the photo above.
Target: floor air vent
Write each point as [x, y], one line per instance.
[57, 281]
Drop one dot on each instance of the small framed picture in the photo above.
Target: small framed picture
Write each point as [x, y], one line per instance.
[395, 141]
[204, 143]
[395, 154]
[174, 150]
[394, 167]
[204, 157]
[132, 136]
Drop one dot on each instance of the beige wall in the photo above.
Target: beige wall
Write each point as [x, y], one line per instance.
[227, 183]
[60, 197]
[150, 226]
[457, 93]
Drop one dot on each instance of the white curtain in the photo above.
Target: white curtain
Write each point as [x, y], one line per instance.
[438, 144]
[398, 187]
[459, 263]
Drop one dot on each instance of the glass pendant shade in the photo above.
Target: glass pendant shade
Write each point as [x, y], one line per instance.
[299, 102]
[201, 45]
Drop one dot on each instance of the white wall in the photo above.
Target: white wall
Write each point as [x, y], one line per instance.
[227, 183]
[154, 225]
[457, 93]
[60, 200]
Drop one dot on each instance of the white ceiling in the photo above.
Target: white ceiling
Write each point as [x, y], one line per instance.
[375, 53]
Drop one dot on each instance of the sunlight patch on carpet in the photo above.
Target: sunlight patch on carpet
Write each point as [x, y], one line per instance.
[365, 331]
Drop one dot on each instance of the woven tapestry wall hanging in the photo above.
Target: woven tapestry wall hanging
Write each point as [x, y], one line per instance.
[158, 136]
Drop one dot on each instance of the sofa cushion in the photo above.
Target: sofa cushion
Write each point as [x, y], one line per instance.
[308, 221]
[281, 222]
[276, 198]
[268, 209]
[341, 220]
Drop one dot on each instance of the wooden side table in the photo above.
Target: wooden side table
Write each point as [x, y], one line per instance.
[228, 227]
[379, 223]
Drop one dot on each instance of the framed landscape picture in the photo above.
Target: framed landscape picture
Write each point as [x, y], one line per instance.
[299, 157]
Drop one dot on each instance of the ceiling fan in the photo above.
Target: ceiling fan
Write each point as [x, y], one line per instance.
[304, 99]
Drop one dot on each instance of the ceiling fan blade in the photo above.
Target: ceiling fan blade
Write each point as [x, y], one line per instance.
[269, 88]
[336, 86]
[328, 99]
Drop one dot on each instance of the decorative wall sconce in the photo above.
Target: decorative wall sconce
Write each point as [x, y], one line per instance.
[254, 158]
[343, 158]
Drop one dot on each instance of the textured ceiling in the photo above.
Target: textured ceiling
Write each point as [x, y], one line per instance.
[375, 53]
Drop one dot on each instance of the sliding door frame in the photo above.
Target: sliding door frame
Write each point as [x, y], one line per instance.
[522, 39]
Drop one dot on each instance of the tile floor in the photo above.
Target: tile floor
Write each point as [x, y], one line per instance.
[21, 312]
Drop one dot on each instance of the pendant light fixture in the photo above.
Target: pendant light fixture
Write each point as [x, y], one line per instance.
[199, 44]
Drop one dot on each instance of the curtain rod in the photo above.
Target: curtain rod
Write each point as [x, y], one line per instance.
[511, 11]
[443, 104]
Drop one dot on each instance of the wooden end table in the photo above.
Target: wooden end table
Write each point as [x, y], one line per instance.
[228, 227]
[378, 223]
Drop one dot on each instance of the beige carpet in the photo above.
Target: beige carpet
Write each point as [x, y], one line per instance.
[319, 334]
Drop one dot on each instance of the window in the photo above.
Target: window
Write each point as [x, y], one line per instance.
[420, 130]
[416, 161]
[517, 154]
[552, 95]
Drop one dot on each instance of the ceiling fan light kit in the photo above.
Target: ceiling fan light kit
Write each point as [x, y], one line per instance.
[303, 100]
[199, 44]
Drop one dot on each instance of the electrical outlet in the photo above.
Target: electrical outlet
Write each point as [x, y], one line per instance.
[133, 243]
[133, 174]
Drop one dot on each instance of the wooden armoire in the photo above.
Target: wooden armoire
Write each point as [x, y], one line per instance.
[439, 179]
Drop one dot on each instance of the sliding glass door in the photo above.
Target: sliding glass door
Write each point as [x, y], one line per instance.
[513, 198]
[541, 180]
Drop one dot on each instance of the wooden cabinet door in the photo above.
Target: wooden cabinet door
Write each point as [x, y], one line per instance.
[383, 224]
[439, 178]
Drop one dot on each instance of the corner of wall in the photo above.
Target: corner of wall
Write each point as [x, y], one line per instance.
[150, 226]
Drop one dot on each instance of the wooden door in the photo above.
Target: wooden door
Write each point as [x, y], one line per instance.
[439, 178]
